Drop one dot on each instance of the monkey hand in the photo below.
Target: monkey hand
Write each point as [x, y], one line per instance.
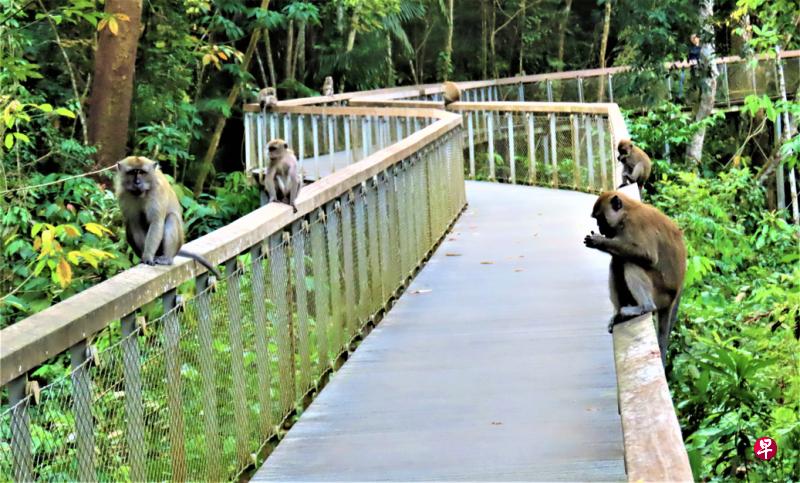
[148, 261]
[593, 240]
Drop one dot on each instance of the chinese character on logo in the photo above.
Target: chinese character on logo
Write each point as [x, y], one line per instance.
[765, 448]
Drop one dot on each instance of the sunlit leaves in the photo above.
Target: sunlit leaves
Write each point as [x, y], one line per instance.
[112, 21]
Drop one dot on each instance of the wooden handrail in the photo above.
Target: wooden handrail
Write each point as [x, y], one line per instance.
[34, 340]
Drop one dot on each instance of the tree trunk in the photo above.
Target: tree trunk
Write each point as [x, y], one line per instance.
[603, 46]
[112, 89]
[523, 6]
[287, 71]
[390, 76]
[351, 42]
[208, 159]
[707, 68]
[273, 77]
[448, 49]
[484, 38]
[492, 48]
[299, 69]
[562, 33]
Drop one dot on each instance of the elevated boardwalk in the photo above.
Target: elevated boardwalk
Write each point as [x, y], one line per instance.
[495, 364]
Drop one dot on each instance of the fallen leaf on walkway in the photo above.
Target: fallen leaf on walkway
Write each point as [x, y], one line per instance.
[487, 263]
[452, 254]
[522, 256]
[452, 239]
[422, 290]
[496, 423]
[518, 270]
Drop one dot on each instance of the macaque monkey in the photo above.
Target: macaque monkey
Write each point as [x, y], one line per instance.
[327, 87]
[153, 216]
[282, 179]
[648, 260]
[636, 164]
[451, 93]
[267, 98]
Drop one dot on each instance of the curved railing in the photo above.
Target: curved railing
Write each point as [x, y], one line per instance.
[197, 385]
[193, 387]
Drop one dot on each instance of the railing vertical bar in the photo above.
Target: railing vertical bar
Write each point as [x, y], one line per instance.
[287, 127]
[520, 92]
[383, 229]
[726, 84]
[134, 410]
[331, 144]
[580, 89]
[301, 146]
[610, 88]
[349, 272]
[549, 85]
[284, 335]
[260, 135]
[361, 253]
[511, 157]
[208, 375]
[348, 152]
[337, 302]
[321, 289]
[531, 147]
[315, 136]
[553, 149]
[576, 163]
[21, 442]
[240, 414]
[374, 244]
[273, 126]
[248, 143]
[471, 141]
[173, 362]
[301, 303]
[490, 133]
[589, 151]
[601, 143]
[398, 128]
[364, 137]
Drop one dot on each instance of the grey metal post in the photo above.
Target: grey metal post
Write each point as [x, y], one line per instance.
[282, 323]
[471, 142]
[21, 443]
[531, 148]
[610, 88]
[82, 409]
[315, 135]
[549, 85]
[576, 164]
[348, 152]
[511, 160]
[273, 126]
[319, 267]
[364, 137]
[490, 133]
[726, 83]
[521, 92]
[134, 410]
[553, 149]
[580, 89]
[287, 128]
[331, 144]
[589, 150]
[349, 273]
[779, 180]
[601, 134]
[301, 148]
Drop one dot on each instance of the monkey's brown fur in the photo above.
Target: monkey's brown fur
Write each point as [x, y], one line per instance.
[636, 164]
[648, 260]
[153, 216]
[327, 87]
[451, 93]
[282, 179]
[267, 98]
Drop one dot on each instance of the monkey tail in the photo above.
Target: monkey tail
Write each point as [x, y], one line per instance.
[202, 261]
[673, 311]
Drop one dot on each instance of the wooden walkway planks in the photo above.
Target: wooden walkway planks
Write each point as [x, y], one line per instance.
[502, 371]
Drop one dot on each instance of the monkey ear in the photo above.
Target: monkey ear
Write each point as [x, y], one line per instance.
[119, 167]
[285, 145]
[616, 203]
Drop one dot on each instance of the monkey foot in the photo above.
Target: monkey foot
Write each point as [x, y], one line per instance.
[163, 261]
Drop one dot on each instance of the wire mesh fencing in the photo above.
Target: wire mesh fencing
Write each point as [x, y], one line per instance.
[198, 391]
[554, 149]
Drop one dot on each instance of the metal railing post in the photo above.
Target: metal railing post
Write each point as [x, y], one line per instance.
[490, 134]
[134, 410]
[531, 148]
[82, 409]
[511, 160]
[21, 443]
[471, 142]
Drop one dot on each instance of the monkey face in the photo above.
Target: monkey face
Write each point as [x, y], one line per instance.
[624, 148]
[137, 174]
[609, 213]
[277, 148]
